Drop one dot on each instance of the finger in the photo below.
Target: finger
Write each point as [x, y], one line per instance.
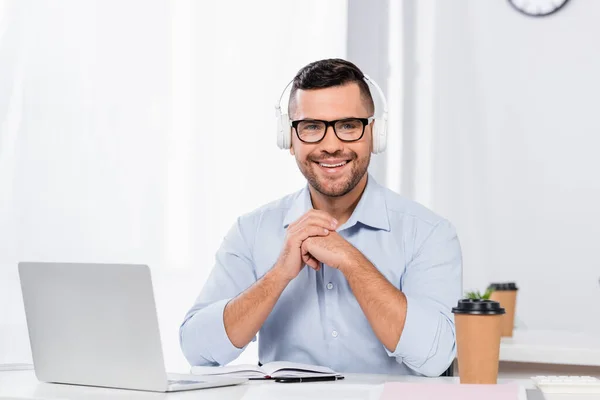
[309, 259]
[308, 231]
[313, 220]
[324, 223]
[318, 215]
[313, 263]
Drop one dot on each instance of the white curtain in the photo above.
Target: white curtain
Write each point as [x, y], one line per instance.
[137, 131]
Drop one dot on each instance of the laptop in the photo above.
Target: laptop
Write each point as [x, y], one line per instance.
[96, 325]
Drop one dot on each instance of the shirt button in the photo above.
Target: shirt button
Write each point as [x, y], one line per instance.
[330, 286]
[334, 334]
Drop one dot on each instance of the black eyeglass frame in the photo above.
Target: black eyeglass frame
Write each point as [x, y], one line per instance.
[364, 121]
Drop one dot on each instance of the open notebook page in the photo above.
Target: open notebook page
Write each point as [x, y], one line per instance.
[291, 369]
[274, 369]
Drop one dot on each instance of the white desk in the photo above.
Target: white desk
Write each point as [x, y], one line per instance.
[551, 347]
[23, 385]
[530, 353]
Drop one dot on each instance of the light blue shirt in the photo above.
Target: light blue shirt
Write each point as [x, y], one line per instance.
[317, 320]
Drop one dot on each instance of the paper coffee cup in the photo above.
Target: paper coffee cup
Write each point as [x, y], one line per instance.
[478, 325]
[506, 295]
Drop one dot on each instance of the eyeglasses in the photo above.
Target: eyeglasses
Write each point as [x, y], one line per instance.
[347, 130]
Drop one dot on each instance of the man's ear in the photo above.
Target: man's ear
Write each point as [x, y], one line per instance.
[292, 149]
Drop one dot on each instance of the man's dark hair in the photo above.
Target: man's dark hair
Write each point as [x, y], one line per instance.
[328, 73]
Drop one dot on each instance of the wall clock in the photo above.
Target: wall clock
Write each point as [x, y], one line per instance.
[538, 8]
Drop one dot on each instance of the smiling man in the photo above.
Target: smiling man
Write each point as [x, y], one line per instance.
[344, 273]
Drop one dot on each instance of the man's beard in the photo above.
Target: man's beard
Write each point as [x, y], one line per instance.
[342, 185]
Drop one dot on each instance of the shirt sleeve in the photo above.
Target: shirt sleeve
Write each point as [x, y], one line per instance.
[432, 284]
[202, 334]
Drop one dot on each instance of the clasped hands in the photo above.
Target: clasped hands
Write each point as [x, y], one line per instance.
[312, 240]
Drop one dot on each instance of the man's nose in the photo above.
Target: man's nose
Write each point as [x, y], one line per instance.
[330, 142]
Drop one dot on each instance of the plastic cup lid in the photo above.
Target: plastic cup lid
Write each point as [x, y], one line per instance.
[478, 307]
[503, 286]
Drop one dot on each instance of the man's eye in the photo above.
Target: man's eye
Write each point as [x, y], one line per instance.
[350, 125]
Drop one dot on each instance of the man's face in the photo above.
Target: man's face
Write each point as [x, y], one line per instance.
[315, 160]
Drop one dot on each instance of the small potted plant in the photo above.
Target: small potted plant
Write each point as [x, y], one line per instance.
[476, 294]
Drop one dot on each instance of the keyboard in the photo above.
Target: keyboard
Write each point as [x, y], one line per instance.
[567, 384]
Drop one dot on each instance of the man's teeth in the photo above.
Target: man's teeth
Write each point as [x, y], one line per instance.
[333, 165]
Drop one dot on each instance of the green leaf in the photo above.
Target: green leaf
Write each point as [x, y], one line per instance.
[488, 293]
[473, 295]
[476, 294]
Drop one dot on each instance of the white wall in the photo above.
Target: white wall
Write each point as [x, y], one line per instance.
[515, 159]
[137, 131]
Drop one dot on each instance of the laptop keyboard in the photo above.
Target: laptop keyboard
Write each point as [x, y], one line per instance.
[182, 382]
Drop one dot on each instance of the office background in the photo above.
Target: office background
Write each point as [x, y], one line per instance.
[137, 131]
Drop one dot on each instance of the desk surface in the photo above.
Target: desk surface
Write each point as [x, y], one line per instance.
[24, 385]
[551, 347]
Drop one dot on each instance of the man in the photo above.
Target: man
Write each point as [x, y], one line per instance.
[344, 273]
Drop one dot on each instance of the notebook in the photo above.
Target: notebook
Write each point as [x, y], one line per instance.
[276, 369]
[427, 391]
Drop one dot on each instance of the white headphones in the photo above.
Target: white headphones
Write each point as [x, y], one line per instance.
[284, 125]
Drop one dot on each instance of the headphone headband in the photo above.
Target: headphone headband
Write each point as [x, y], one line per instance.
[278, 104]
[366, 78]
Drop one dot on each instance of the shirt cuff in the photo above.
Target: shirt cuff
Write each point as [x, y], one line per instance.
[209, 329]
[419, 334]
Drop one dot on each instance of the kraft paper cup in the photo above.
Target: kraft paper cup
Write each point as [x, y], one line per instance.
[478, 325]
[506, 295]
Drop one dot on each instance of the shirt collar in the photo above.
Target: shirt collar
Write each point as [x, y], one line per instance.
[371, 209]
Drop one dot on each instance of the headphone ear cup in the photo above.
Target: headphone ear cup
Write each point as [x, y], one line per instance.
[383, 135]
[375, 136]
[284, 132]
[380, 134]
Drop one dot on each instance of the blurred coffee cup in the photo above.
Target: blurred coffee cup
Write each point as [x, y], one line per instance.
[506, 294]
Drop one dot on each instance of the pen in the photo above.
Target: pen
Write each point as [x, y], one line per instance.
[311, 379]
